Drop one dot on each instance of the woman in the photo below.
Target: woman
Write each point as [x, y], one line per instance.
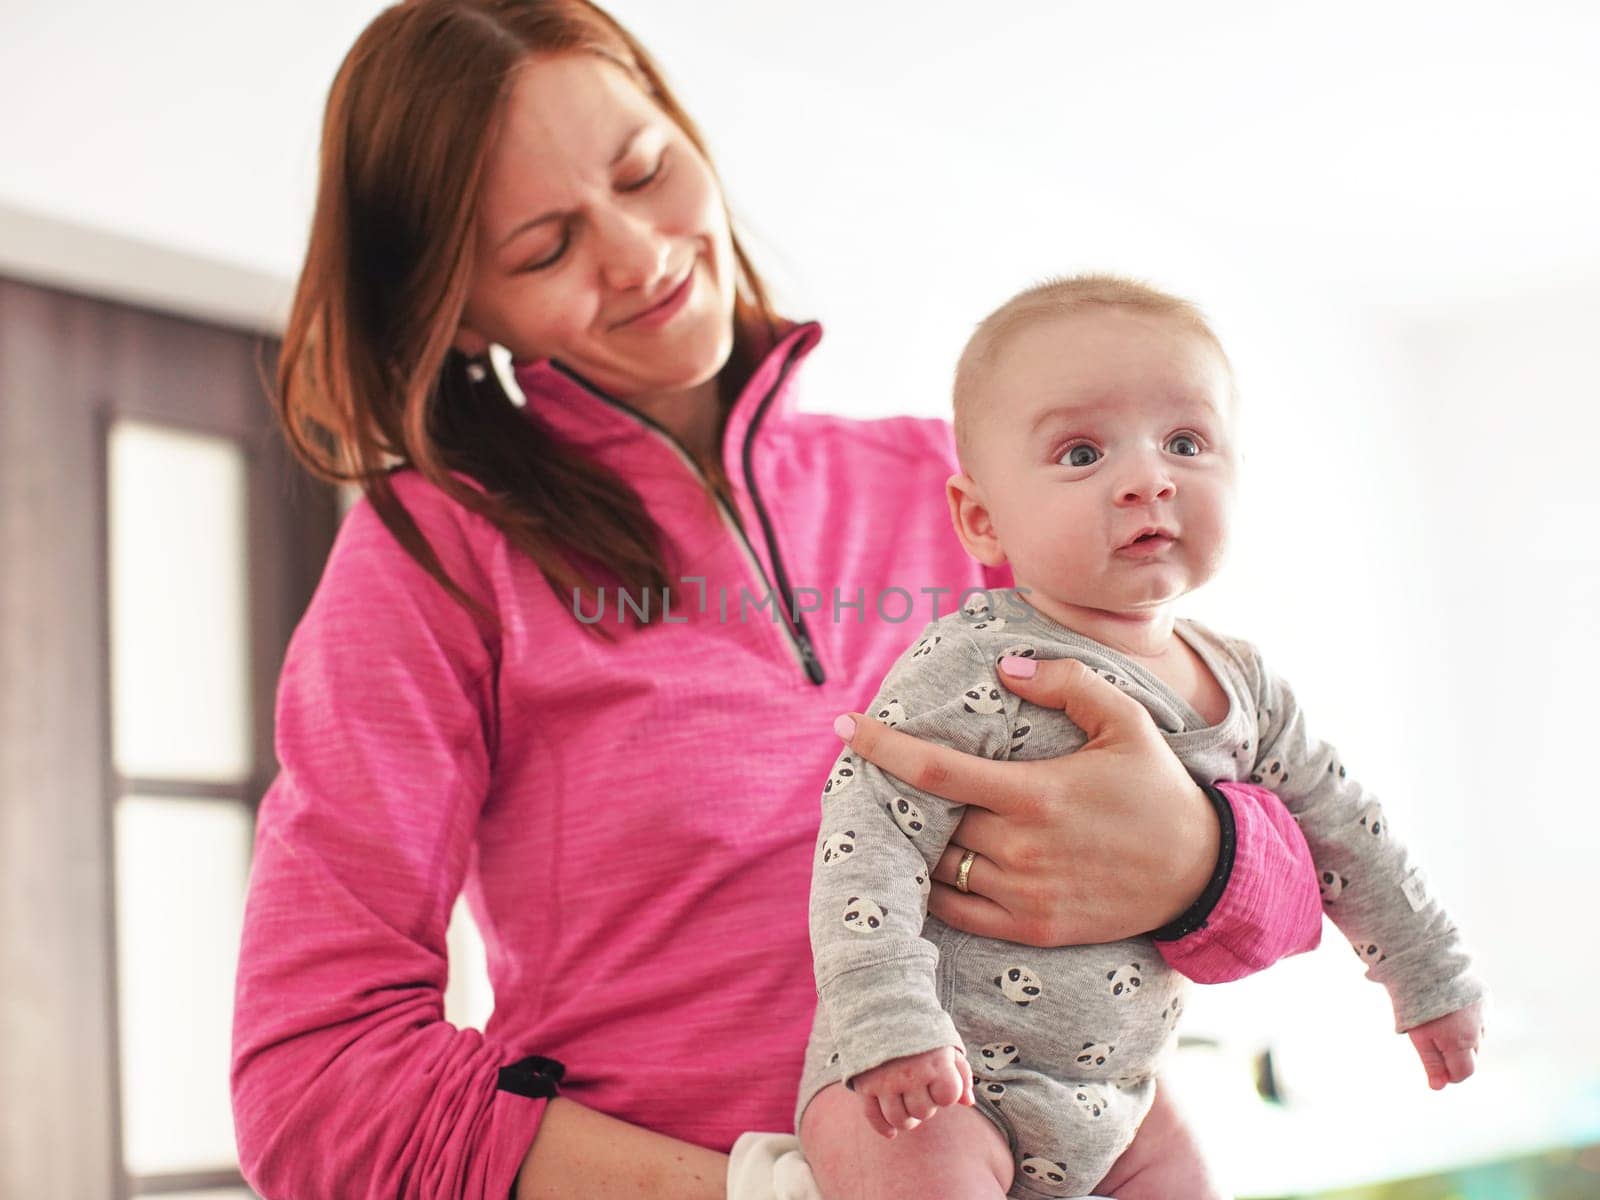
[545, 662]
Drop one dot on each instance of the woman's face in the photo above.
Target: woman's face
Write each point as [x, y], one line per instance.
[602, 238]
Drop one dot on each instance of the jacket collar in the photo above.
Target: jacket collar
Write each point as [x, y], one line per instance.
[589, 420]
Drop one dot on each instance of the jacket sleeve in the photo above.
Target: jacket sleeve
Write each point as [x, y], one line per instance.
[1269, 906]
[346, 1079]
[1371, 888]
[876, 848]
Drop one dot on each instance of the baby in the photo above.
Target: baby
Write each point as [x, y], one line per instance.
[1094, 421]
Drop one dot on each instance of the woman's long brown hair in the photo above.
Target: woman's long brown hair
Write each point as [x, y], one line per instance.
[368, 378]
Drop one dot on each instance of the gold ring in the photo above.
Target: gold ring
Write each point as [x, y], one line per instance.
[964, 870]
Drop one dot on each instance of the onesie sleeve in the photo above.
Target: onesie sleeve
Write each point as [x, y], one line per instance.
[1371, 888]
[346, 1078]
[878, 843]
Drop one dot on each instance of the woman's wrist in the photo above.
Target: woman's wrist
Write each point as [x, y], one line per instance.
[1269, 908]
[1199, 912]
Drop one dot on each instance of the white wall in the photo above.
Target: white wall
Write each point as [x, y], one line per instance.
[1389, 209]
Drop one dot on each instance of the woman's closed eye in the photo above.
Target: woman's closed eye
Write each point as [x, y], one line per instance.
[552, 256]
[629, 186]
[640, 182]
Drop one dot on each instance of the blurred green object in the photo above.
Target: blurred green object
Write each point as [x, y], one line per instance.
[1565, 1174]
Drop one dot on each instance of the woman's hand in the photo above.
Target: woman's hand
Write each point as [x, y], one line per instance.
[1106, 843]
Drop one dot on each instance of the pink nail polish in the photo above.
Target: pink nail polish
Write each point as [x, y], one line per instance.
[1018, 667]
[845, 727]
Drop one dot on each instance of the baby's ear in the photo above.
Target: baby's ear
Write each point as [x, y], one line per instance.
[969, 513]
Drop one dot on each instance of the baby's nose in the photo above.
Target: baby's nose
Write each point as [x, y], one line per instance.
[1146, 488]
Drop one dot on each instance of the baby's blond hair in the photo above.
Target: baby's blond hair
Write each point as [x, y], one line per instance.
[1056, 297]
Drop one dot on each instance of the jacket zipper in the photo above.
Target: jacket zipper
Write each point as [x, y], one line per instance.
[799, 640]
[802, 638]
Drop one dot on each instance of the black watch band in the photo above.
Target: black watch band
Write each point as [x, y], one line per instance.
[1198, 913]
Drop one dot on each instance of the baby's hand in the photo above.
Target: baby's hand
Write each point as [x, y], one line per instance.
[1448, 1045]
[904, 1092]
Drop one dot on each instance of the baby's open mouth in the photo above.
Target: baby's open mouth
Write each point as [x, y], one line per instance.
[1149, 539]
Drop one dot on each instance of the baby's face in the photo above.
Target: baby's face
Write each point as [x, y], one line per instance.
[1104, 450]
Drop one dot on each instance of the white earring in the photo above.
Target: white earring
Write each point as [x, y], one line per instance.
[477, 372]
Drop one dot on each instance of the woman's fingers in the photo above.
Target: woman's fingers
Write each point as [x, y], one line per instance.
[963, 778]
[993, 837]
[971, 912]
[981, 872]
[1099, 708]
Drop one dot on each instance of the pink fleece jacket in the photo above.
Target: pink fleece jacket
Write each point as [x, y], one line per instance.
[632, 822]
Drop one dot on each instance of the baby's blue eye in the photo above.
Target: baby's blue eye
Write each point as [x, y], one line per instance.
[1183, 444]
[1081, 455]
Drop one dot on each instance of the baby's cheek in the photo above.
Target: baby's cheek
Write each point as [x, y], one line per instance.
[1208, 532]
[1070, 536]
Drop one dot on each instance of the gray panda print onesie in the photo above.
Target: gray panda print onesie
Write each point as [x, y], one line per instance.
[1065, 1043]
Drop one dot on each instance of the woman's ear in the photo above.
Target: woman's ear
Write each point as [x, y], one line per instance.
[969, 513]
[470, 342]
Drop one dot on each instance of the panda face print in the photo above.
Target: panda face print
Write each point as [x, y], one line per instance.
[925, 647]
[864, 916]
[1336, 769]
[1270, 773]
[907, 815]
[1044, 1172]
[996, 1056]
[1369, 952]
[982, 697]
[890, 713]
[1090, 1101]
[1331, 884]
[1019, 736]
[992, 1089]
[1110, 677]
[1172, 1012]
[989, 623]
[839, 846]
[1125, 981]
[1093, 1056]
[844, 774]
[924, 881]
[833, 1059]
[976, 607]
[1019, 985]
[1372, 819]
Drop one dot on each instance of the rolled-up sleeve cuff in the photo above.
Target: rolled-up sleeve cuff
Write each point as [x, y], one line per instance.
[884, 1011]
[1267, 906]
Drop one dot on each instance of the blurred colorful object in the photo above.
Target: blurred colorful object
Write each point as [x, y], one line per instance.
[1567, 1174]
